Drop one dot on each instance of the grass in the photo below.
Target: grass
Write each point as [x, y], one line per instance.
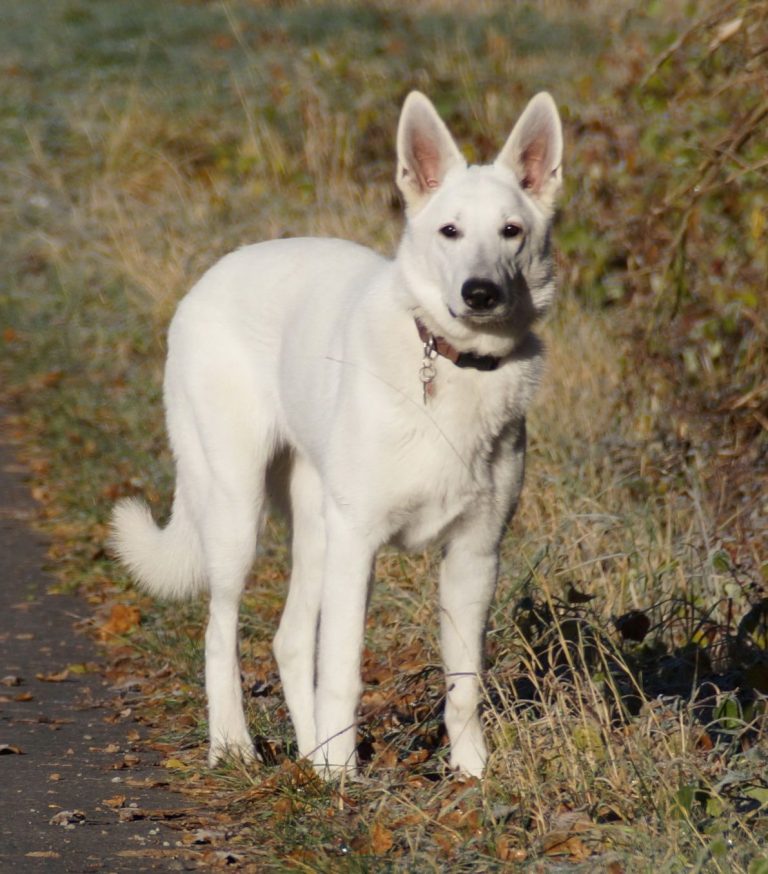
[627, 648]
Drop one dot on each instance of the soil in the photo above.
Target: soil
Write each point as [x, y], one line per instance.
[79, 791]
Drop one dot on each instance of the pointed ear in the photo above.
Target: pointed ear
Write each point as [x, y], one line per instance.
[534, 150]
[425, 150]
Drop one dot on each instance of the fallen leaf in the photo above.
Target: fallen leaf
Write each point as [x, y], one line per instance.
[416, 757]
[564, 844]
[58, 677]
[382, 839]
[122, 619]
[24, 696]
[173, 764]
[115, 802]
[11, 680]
[10, 750]
[78, 669]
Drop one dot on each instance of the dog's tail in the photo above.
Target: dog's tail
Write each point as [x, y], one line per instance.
[166, 562]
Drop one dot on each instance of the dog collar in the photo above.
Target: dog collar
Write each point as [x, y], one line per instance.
[443, 348]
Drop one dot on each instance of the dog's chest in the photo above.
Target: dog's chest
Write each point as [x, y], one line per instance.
[445, 461]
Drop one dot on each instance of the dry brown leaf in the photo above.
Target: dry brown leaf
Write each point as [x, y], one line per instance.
[11, 680]
[381, 839]
[24, 696]
[115, 802]
[564, 844]
[416, 757]
[122, 619]
[10, 750]
[386, 758]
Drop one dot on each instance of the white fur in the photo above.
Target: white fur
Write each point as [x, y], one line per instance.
[293, 366]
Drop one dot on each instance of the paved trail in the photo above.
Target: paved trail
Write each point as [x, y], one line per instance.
[58, 751]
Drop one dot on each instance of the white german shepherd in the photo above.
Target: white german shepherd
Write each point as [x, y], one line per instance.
[385, 401]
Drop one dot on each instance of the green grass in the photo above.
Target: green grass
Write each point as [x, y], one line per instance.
[141, 141]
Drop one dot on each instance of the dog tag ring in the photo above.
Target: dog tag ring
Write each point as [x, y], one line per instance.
[427, 372]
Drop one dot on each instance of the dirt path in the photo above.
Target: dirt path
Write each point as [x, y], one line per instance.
[76, 792]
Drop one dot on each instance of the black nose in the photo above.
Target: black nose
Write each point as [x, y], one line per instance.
[481, 294]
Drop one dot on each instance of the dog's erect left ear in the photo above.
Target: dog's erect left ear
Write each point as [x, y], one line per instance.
[534, 150]
[425, 150]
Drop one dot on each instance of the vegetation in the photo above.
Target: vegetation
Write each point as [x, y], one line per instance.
[628, 648]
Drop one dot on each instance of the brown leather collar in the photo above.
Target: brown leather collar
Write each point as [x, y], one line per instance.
[460, 359]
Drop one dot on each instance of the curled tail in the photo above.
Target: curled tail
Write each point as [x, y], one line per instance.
[166, 562]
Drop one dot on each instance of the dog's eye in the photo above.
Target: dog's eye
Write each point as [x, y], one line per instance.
[510, 231]
[451, 232]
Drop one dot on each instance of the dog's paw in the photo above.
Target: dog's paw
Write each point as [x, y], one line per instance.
[241, 750]
[469, 759]
[329, 771]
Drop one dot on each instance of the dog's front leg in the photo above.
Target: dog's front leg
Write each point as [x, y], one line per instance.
[467, 582]
[347, 571]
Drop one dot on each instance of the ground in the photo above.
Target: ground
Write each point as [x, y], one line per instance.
[81, 792]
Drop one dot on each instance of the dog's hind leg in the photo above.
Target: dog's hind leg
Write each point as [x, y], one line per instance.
[229, 526]
[295, 641]
[230, 541]
[230, 498]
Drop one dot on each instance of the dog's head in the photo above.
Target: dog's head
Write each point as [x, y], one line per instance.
[476, 250]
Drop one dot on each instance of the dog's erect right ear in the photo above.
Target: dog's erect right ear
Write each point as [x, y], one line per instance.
[425, 150]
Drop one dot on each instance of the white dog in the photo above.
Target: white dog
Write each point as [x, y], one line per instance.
[385, 401]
